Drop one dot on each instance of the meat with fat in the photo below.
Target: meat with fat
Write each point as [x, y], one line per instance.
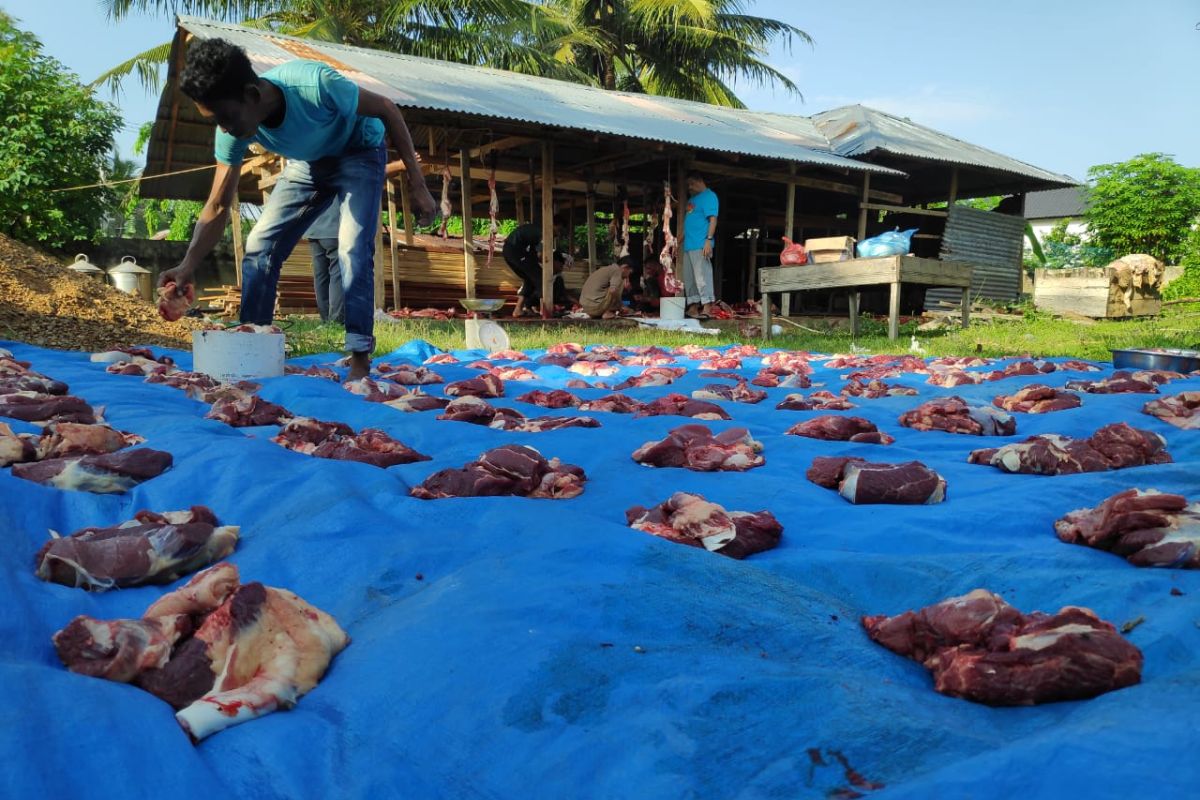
[441, 358]
[39, 407]
[690, 519]
[953, 415]
[653, 376]
[313, 372]
[416, 401]
[817, 401]
[509, 470]
[486, 385]
[695, 447]
[556, 398]
[980, 648]
[244, 410]
[680, 405]
[615, 403]
[834, 428]
[408, 375]
[478, 411]
[738, 393]
[376, 391]
[772, 379]
[600, 369]
[1115, 446]
[109, 473]
[864, 483]
[63, 439]
[876, 389]
[721, 362]
[338, 441]
[1121, 382]
[1147, 528]
[1038, 398]
[1181, 410]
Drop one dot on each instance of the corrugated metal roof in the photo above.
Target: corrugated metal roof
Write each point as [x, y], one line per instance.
[857, 131]
[1056, 203]
[421, 83]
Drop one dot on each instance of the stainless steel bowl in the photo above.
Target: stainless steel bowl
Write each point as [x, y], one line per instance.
[1159, 358]
[481, 305]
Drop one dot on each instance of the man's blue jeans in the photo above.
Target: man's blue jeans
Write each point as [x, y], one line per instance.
[305, 189]
[327, 280]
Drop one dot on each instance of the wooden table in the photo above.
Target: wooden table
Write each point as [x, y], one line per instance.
[859, 272]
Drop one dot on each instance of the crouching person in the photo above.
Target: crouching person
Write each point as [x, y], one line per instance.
[600, 297]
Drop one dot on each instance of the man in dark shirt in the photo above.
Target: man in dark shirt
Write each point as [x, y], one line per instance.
[523, 254]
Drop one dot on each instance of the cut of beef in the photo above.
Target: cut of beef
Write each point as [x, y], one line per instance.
[136, 365]
[862, 483]
[486, 385]
[565, 348]
[576, 383]
[1150, 529]
[785, 362]
[599, 353]
[873, 390]
[980, 648]
[721, 362]
[513, 374]
[248, 410]
[600, 369]
[1023, 368]
[507, 355]
[416, 400]
[817, 401]
[958, 362]
[409, 375]
[615, 403]
[338, 441]
[681, 405]
[653, 376]
[38, 407]
[313, 372]
[376, 391]
[441, 358]
[781, 380]
[150, 548]
[508, 470]
[648, 360]
[695, 447]
[1115, 446]
[111, 473]
[739, 393]
[951, 378]
[62, 439]
[696, 353]
[1121, 382]
[30, 382]
[1038, 399]
[835, 428]
[1078, 366]
[255, 649]
[690, 519]
[557, 360]
[16, 448]
[479, 412]
[953, 415]
[1181, 410]
[553, 399]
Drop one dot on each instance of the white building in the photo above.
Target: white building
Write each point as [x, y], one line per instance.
[1045, 210]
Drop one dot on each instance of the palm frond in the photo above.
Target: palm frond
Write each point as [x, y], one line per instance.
[147, 65]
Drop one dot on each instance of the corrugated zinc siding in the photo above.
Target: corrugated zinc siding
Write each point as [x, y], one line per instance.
[992, 244]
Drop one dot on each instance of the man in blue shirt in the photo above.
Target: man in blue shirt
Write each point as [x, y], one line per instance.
[332, 133]
[322, 238]
[699, 228]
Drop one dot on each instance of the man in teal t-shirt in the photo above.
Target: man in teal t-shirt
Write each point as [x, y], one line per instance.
[332, 133]
[699, 228]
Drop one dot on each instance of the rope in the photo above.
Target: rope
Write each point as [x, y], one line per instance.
[138, 179]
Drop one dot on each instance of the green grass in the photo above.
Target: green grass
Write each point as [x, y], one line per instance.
[1034, 334]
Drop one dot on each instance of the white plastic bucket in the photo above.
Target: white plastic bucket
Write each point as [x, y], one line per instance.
[237, 356]
[671, 308]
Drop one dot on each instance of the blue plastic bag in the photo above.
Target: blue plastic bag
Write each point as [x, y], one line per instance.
[889, 243]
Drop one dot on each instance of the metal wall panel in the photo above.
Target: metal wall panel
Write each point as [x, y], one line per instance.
[993, 244]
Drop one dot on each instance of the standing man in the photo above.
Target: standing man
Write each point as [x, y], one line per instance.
[332, 133]
[699, 228]
[327, 278]
[523, 254]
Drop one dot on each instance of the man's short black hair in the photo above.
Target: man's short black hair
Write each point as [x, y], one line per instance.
[627, 261]
[215, 70]
[696, 176]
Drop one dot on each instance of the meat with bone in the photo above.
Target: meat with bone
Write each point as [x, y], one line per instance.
[615, 403]
[695, 447]
[601, 369]
[953, 415]
[509, 470]
[441, 358]
[513, 374]
[690, 519]
[722, 362]
[337, 441]
[552, 399]
[255, 650]
[1038, 398]
[409, 375]
[479, 412]
[63, 439]
[174, 303]
[817, 401]
[873, 390]
[863, 483]
[417, 400]
[980, 648]
[486, 385]
[376, 391]
[833, 428]
[787, 361]
[1181, 410]
[1149, 529]
[653, 376]
[738, 393]
[247, 410]
[313, 372]
[1114, 446]
[150, 548]
[680, 405]
[16, 448]
[777, 380]
[1120, 382]
[38, 407]
[109, 473]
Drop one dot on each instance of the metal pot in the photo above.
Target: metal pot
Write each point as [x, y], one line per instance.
[1184, 361]
[128, 277]
[85, 267]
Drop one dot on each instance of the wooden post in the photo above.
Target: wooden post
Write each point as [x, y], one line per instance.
[238, 248]
[591, 227]
[571, 227]
[862, 214]
[753, 240]
[953, 189]
[380, 279]
[789, 220]
[852, 301]
[680, 211]
[547, 229]
[894, 311]
[520, 206]
[406, 205]
[394, 244]
[464, 163]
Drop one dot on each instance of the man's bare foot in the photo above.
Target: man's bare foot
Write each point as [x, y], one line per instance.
[360, 366]
[608, 315]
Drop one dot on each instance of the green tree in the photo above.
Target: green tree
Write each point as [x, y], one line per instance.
[1145, 205]
[57, 135]
[1188, 284]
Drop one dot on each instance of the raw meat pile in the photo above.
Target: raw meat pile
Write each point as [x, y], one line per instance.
[487, 385]
[338, 441]
[615, 403]
[679, 405]
[980, 648]
[81, 457]
[1038, 398]
[150, 548]
[438, 314]
[478, 411]
[949, 374]
[219, 651]
[953, 415]
[1115, 446]
[593, 369]
[875, 389]
[243, 410]
[509, 470]
[441, 358]
[376, 391]
[313, 372]
[552, 399]
[1122, 382]
[416, 400]
[695, 447]
[60, 440]
[409, 375]
[512, 373]
[833, 428]
[1147, 528]
[17, 376]
[863, 483]
[44, 408]
[1181, 410]
[653, 376]
[738, 393]
[817, 401]
[690, 519]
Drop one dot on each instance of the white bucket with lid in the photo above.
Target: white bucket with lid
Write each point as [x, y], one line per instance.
[671, 307]
[230, 356]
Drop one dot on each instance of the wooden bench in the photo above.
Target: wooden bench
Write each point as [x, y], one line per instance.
[858, 272]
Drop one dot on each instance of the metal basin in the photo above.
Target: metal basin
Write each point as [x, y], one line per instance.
[481, 305]
[1158, 358]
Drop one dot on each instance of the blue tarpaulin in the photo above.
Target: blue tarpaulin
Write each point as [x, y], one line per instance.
[515, 648]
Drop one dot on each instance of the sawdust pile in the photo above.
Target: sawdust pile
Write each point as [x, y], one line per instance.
[44, 303]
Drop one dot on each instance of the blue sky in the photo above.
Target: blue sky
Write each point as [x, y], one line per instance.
[1063, 84]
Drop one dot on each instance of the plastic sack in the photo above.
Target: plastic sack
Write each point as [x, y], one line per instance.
[793, 253]
[889, 243]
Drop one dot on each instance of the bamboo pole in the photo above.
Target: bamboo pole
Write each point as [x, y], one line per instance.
[591, 228]
[393, 244]
[238, 248]
[547, 229]
[464, 161]
[406, 206]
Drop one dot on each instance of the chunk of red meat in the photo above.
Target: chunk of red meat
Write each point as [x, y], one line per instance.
[1120, 382]
[486, 385]
[861, 482]
[62, 439]
[248, 410]
[38, 407]
[840, 429]
[680, 405]
[552, 399]
[313, 372]
[1115, 446]
[508, 470]
[615, 403]
[409, 375]
[953, 415]
[415, 401]
[653, 376]
[690, 519]
[109, 473]
[1148, 528]
[738, 393]
[1181, 410]
[1038, 399]
[873, 390]
[376, 391]
[721, 362]
[695, 447]
[601, 369]
[817, 401]
[781, 380]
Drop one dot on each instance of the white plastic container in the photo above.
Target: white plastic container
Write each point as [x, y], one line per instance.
[484, 334]
[671, 307]
[237, 356]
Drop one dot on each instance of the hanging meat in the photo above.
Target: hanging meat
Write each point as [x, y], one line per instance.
[493, 211]
[671, 286]
[624, 233]
[690, 519]
[446, 208]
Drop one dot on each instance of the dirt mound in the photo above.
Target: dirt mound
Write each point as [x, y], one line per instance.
[44, 303]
